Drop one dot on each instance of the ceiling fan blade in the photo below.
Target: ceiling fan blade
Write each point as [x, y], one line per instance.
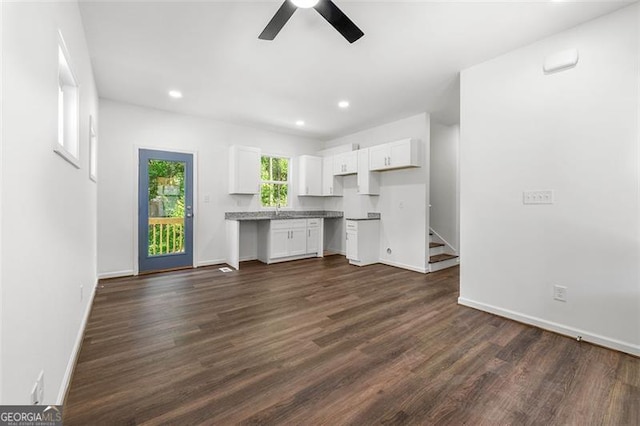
[339, 20]
[277, 22]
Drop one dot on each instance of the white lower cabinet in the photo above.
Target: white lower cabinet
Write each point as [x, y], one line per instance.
[363, 241]
[313, 236]
[287, 239]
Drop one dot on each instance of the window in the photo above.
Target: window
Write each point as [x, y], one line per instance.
[274, 181]
[67, 141]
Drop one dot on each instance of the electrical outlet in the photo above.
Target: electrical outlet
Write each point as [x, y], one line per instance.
[560, 293]
[37, 392]
[537, 197]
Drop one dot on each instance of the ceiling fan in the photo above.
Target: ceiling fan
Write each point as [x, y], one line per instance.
[326, 8]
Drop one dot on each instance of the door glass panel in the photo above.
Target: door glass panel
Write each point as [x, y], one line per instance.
[166, 207]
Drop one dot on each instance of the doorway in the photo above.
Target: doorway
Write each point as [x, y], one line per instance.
[165, 210]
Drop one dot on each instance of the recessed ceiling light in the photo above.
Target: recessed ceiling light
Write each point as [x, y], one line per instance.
[343, 104]
[299, 123]
[175, 94]
[305, 4]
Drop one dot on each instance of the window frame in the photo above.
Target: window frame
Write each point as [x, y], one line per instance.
[287, 182]
[66, 121]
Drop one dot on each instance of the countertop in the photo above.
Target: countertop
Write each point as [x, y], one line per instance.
[370, 216]
[283, 214]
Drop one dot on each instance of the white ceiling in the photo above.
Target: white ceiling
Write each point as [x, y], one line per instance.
[406, 63]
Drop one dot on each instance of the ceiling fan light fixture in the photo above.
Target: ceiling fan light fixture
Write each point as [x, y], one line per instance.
[305, 4]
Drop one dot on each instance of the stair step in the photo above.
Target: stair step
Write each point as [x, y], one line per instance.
[434, 245]
[441, 257]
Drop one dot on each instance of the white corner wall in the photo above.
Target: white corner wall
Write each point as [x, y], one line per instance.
[48, 224]
[444, 183]
[574, 132]
[403, 199]
[126, 128]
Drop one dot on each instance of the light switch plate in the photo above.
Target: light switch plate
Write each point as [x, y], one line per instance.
[537, 197]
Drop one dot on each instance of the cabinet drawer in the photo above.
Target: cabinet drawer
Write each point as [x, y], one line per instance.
[280, 224]
[313, 223]
[288, 223]
[352, 225]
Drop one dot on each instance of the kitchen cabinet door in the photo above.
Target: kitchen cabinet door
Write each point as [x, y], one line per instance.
[345, 163]
[244, 170]
[298, 242]
[368, 181]
[352, 246]
[313, 238]
[310, 175]
[279, 246]
[331, 185]
[378, 156]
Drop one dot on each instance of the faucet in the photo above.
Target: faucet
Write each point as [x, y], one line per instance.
[277, 209]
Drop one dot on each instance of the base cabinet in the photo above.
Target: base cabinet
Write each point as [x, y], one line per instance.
[362, 241]
[288, 239]
[313, 236]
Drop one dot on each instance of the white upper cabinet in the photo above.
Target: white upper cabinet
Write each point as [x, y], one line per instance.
[368, 181]
[345, 163]
[244, 170]
[331, 185]
[395, 155]
[310, 175]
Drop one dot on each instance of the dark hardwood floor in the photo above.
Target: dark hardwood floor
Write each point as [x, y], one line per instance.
[318, 341]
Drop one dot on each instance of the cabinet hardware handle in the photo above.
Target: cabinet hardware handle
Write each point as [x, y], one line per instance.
[347, 234]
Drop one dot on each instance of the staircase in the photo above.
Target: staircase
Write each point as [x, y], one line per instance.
[440, 254]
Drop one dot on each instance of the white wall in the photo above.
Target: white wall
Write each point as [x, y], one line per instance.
[444, 189]
[403, 198]
[125, 128]
[576, 133]
[48, 206]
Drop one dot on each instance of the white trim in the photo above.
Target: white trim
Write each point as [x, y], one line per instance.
[248, 258]
[554, 327]
[71, 365]
[404, 266]
[136, 163]
[211, 262]
[116, 274]
[61, 149]
[288, 182]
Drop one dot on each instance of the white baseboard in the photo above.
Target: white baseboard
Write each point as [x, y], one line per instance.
[116, 274]
[555, 327]
[213, 262]
[71, 365]
[403, 266]
[248, 258]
